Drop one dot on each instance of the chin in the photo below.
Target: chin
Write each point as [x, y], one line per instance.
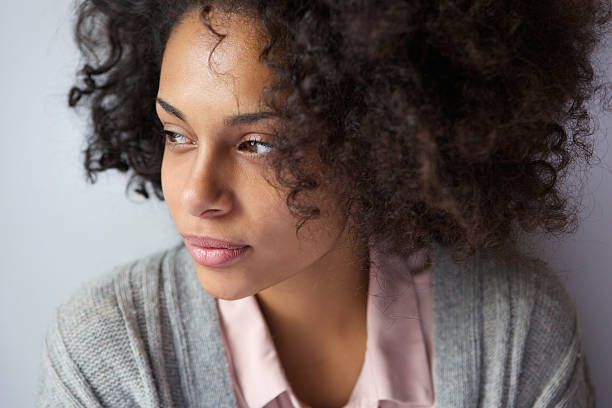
[232, 289]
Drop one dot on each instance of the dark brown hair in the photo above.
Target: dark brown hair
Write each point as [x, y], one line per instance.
[441, 120]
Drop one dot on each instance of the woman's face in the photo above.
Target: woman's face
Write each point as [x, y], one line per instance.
[213, 178]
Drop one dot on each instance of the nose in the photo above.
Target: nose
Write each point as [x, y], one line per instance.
[205, 192]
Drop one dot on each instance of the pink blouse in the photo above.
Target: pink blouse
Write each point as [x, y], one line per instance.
[399, 356]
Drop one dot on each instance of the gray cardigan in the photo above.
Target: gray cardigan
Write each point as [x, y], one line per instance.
[147, 335]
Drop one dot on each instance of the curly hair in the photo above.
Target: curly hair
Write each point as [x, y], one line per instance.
[442, 120]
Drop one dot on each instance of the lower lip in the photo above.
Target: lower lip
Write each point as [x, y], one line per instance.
[214, 256]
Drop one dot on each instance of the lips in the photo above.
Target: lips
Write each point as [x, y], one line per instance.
[208, 242]
[213, 252]
[215, 256]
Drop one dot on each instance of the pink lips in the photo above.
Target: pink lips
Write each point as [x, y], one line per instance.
[213, 252]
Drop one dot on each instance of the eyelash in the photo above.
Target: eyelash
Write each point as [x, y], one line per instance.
[170, 135]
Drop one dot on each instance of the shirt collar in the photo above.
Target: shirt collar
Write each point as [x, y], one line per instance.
[253, 351]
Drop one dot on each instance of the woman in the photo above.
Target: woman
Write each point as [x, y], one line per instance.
[328, 164]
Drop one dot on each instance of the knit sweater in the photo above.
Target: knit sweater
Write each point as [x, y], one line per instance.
[146, 334]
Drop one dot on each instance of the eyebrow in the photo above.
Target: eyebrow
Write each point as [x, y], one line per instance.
[233, 120]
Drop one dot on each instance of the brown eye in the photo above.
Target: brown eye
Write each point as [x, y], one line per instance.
[255, 147]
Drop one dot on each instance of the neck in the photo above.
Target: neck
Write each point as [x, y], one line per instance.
[327, 299]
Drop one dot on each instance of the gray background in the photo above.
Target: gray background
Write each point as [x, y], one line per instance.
[57, 231]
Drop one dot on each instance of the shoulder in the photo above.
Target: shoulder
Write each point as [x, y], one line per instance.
[99, 302]
[525, 285]
[95, 342]
[514, 277]
[506, 330]
[528, 290]
[530, 318]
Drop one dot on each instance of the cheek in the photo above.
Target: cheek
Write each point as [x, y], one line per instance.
[277, 232]
[268, 211]
[272, 227]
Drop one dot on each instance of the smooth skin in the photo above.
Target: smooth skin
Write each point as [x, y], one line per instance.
[312, 288]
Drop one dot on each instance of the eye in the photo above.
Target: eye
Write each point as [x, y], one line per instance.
[252, 147]
[174, 138]
[255, 147]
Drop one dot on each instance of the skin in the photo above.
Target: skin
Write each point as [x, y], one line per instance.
[311, 288]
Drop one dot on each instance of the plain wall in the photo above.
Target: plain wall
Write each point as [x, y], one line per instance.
[57, 231]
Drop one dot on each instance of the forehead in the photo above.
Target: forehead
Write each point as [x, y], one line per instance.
[200, 67]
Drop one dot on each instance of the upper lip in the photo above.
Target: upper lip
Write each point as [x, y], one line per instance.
[208, 242]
